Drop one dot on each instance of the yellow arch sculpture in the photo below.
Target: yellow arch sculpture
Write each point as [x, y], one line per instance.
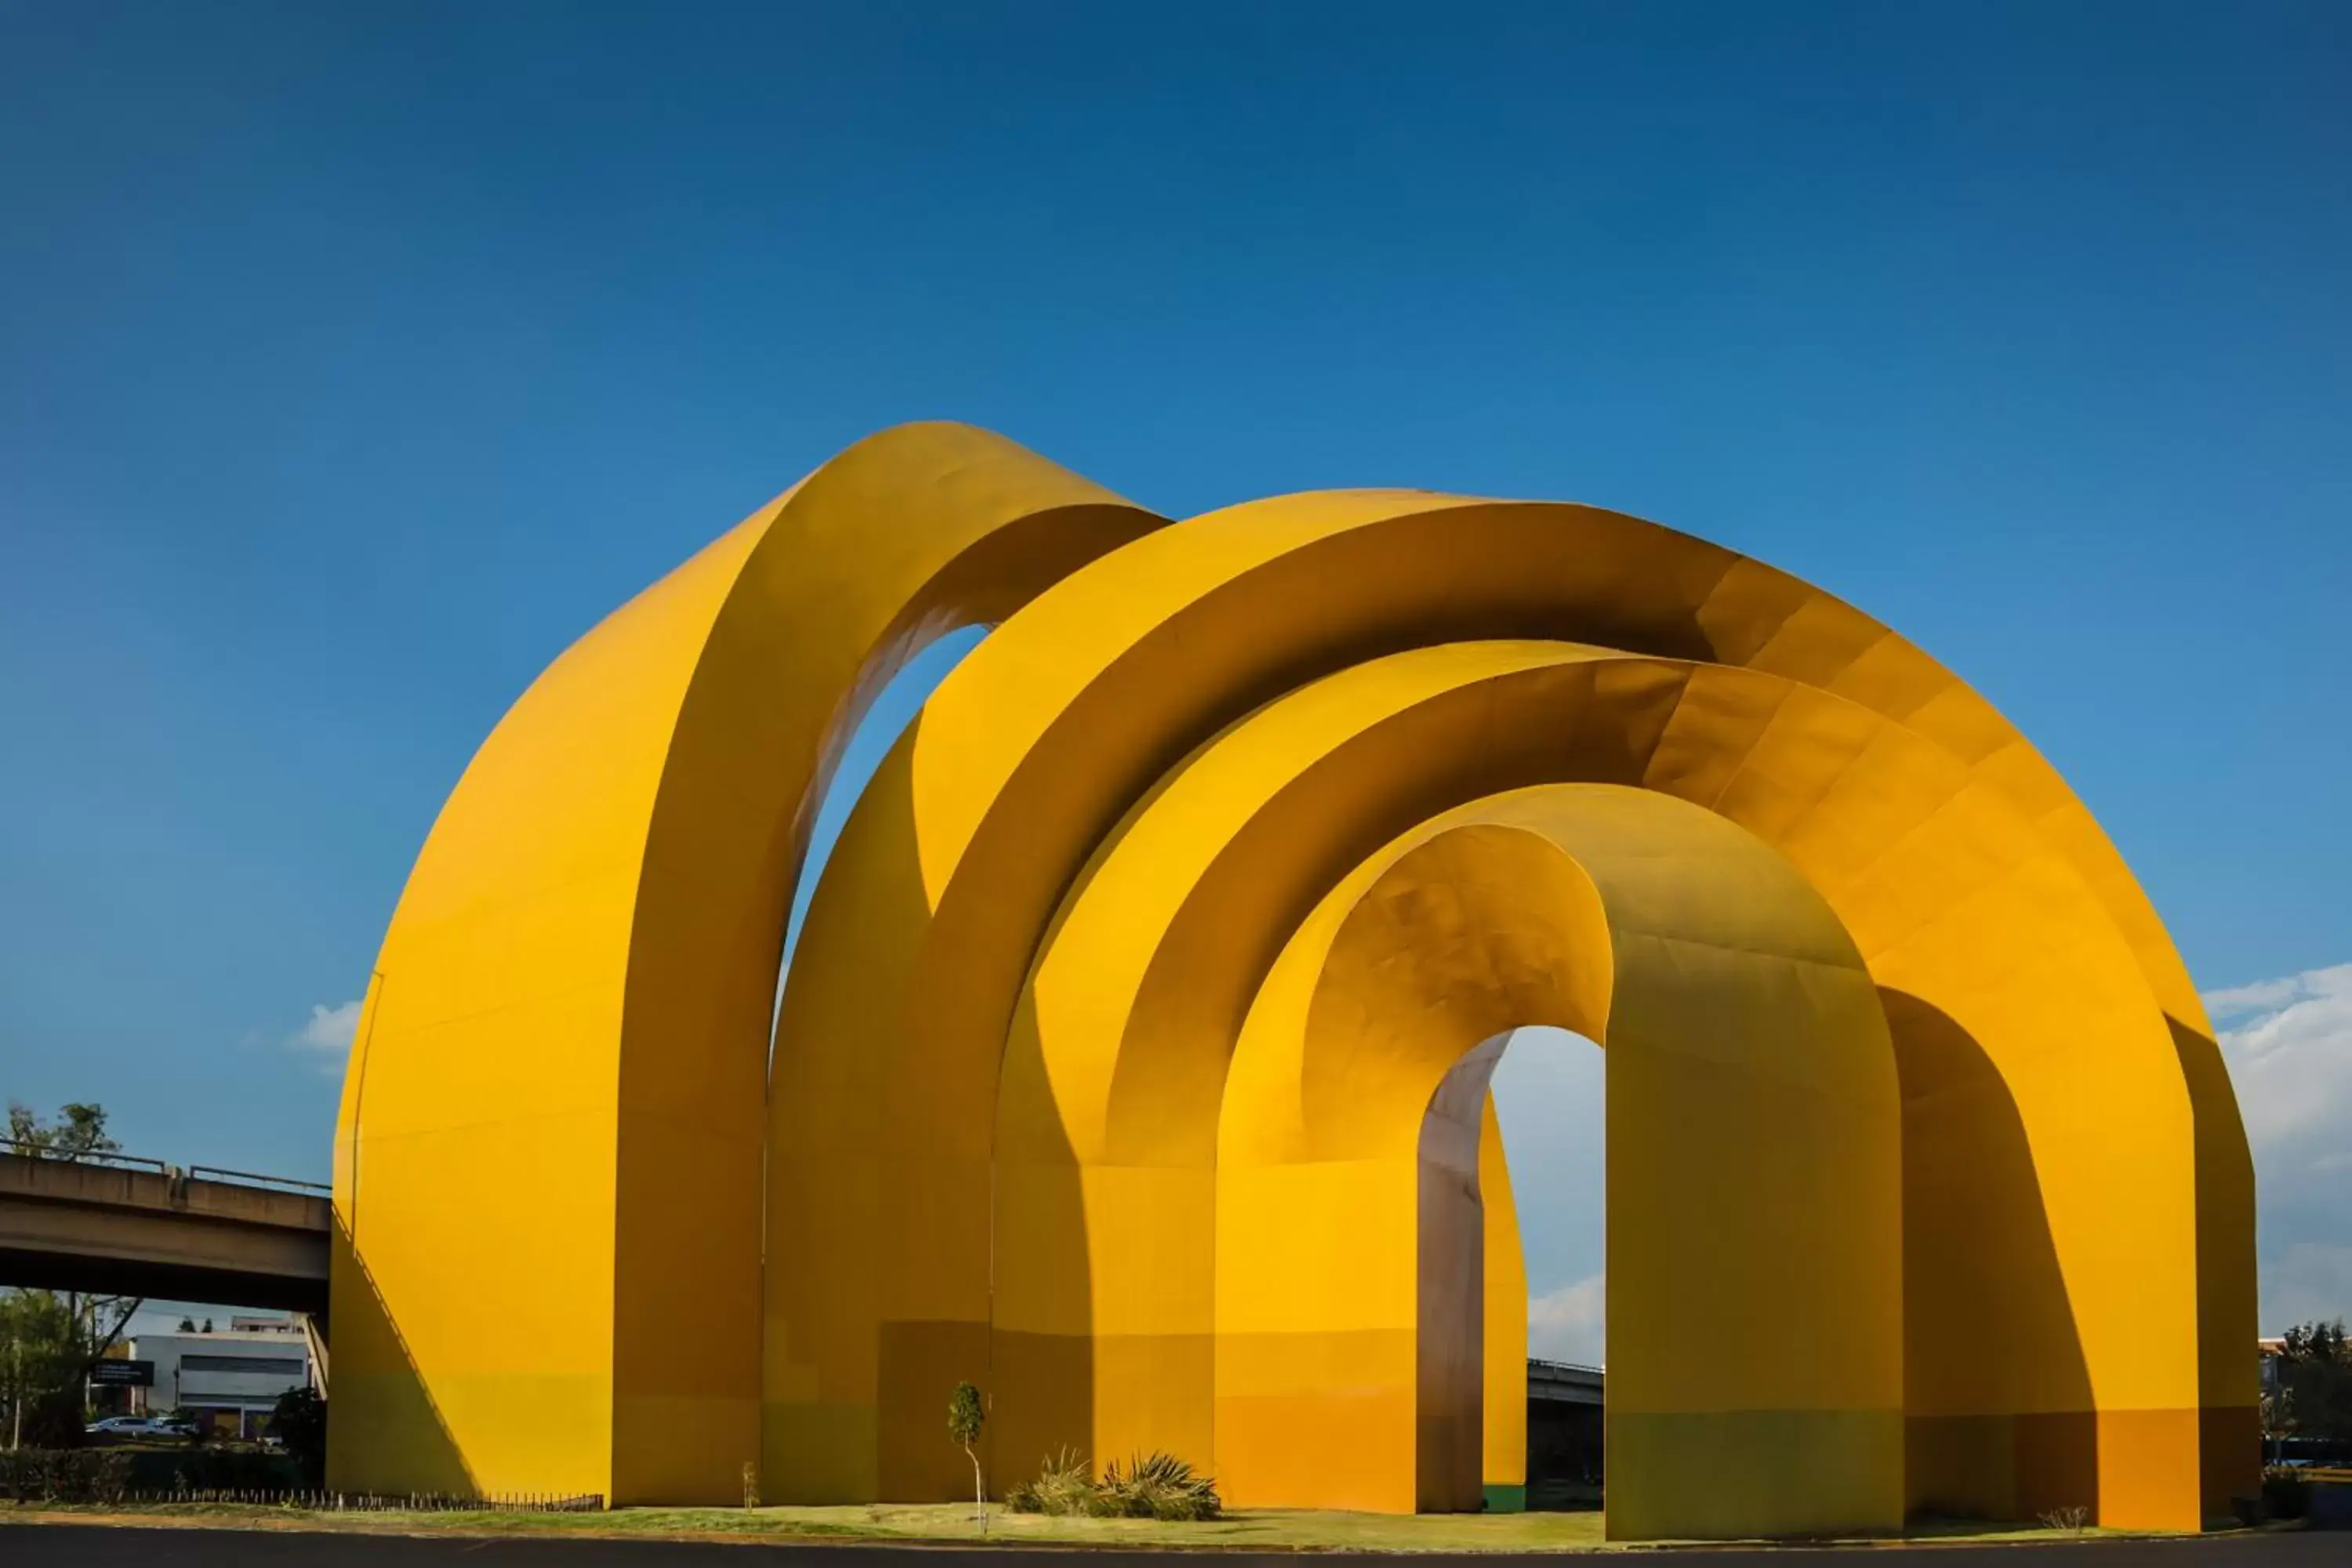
[1131, 1062]
[1740, 1020]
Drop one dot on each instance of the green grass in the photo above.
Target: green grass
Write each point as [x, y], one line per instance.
[1251, 1529]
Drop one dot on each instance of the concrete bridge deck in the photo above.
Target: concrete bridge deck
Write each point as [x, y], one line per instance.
[140, 1227]
[1564, 1382]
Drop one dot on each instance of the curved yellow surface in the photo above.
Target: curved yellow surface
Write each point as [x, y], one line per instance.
[1740, 1021]
[1503, 1468]
[553, 1118]
[1114, 1072]
[1003, 1056]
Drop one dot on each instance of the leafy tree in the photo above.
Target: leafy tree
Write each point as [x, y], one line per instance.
[966, 1415]
[78, 1132]
[47, 1345]
[2277, 1413]
[34, 1336]
[300, 1423]
[2316, 1375]
[49, 1341]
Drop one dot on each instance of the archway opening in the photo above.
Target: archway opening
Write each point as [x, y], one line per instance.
[1752, 1184]
[1521, 1416]
[887, 716]
[1550, 1108]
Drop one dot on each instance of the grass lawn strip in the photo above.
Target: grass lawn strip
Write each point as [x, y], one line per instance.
[1254, 1530]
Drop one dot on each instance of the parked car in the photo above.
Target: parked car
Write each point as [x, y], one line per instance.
[170, 1429]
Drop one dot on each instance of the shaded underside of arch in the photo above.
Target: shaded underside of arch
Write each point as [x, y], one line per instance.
[1029, 756]
[1114, 1072]
[1754, 1170]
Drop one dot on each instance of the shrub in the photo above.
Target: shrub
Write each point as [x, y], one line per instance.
[1159, 1486]
[226, 1470]
[300, 1423]
[2286, 1494]
[1063, 1486]
[64, 1475]
[53, 1419]
[1152, 1486]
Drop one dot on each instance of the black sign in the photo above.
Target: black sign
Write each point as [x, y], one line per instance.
[114, 1374]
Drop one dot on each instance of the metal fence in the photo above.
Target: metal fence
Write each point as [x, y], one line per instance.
[163, 1168]
[379, 1503]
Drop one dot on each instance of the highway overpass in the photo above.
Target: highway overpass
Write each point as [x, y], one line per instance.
[127, 1226]
[1565, 1434]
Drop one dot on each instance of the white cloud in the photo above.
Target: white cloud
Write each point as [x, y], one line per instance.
[2291, 1065]
[328, 1033]
[2290, 1057]
[2269, 995]
[1572, 1322]
[1549, 1094]
[2261, 996]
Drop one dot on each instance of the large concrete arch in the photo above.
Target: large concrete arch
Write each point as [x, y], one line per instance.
[1029, 753]
[562, 1047]
[1115, 1070]
[1754, 1159]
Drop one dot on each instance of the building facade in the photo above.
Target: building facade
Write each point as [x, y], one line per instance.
[227, 1381]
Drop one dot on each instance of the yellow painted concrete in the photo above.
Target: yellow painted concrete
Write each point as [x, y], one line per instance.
[1503, 1445]
[1154, 955]
[553, 1113]
[1009, 1040]
[1754, 1128]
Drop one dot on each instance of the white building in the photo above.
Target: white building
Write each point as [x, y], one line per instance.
[230, 1379]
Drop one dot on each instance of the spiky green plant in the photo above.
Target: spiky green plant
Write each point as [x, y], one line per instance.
[1157, 1486]
[1064, 1486]
[1150, 1486]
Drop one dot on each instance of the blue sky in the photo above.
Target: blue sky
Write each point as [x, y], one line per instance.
[356, 358]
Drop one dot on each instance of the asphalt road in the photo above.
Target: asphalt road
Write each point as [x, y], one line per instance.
[101, 1546]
